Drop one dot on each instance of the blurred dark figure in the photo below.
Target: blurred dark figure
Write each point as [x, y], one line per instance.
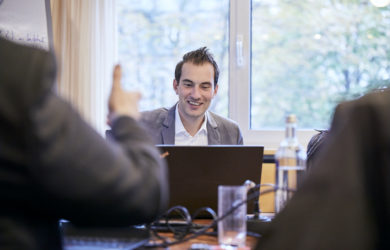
[314, 146]
[53, 165]
[345, 204]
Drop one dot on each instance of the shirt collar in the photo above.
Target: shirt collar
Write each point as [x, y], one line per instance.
[179, 127]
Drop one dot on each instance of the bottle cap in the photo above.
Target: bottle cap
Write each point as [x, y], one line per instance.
[291, 119]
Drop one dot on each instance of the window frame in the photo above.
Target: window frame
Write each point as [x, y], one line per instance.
[240, 80]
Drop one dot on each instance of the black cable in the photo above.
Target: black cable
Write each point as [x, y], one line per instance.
[180, 230]
[214, 223]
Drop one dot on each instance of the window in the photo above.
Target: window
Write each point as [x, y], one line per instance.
[153, 35]
[275, 56]
[307, 56]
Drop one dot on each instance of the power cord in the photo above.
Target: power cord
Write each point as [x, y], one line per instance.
[191, 230]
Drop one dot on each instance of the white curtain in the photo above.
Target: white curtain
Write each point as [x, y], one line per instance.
[84, 40]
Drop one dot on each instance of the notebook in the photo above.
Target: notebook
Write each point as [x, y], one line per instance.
[196, 171]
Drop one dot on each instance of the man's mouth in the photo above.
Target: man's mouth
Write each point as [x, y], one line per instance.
[194, 103]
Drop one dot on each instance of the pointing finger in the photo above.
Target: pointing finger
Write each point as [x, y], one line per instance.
[117, 77]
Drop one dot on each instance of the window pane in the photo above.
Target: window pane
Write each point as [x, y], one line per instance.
[308, 55]
[153, 35]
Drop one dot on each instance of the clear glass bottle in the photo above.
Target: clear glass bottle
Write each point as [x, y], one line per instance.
[290, 164]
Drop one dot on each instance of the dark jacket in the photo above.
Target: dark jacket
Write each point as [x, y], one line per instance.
[345, 200]
[54, 165]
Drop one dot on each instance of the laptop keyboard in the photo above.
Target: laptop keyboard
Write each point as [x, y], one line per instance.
[103, 238]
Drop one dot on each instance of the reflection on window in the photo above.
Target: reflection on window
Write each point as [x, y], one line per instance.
[309, 55]
[153, 35]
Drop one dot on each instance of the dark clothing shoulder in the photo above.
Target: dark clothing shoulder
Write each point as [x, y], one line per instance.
[53, 165]
[345, 201]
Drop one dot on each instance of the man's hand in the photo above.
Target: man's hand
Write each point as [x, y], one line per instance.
[122, 102]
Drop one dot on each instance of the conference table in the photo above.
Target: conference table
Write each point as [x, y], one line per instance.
[210, 239]
[156, 236]
[203, 241]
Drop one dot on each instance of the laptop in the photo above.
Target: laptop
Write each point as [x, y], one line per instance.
[196, 171]
[79, 238]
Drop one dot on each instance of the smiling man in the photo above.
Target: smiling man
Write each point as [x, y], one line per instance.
[189, 122]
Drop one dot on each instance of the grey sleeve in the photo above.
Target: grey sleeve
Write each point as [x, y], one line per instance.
[240, 139]
[89, 180]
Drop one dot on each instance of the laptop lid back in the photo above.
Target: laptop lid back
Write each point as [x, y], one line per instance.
[196, 171]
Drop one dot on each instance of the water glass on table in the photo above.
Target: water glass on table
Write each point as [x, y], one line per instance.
[232, 209]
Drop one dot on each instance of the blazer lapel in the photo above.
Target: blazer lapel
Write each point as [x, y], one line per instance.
[213, 135]
[168, 129]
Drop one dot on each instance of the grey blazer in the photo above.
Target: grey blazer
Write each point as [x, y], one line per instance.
[160, 123]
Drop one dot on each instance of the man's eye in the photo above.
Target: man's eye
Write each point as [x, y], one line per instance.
[206, 86]
[187, 85]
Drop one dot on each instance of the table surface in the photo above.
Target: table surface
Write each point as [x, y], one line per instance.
[210, 240]
[76, 238]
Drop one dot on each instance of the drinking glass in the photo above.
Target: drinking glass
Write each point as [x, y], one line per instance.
[232, 207]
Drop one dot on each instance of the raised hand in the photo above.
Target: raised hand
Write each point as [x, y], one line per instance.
[122, 102]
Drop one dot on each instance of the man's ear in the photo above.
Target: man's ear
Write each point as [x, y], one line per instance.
[175, 85]
[216, 90]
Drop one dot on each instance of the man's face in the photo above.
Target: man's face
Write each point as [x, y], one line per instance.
[195, 90]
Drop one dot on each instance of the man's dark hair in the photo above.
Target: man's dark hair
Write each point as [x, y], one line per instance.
[198, 57]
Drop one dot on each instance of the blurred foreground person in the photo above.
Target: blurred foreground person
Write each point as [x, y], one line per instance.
[345, 201]
[53, 165]
[314, 147]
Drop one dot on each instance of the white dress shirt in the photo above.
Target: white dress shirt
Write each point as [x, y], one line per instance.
[182, 137]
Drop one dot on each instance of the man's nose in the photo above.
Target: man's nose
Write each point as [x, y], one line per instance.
[195, 93]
